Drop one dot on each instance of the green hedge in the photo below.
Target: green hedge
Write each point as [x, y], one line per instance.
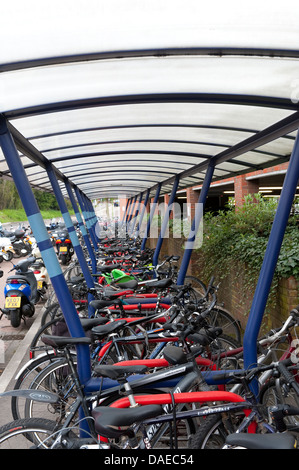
[242, 235]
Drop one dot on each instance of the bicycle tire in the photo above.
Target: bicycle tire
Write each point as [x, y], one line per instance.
[278, 392]
[161, 436]
[211, 434]
[26, 378]
[223, 318]
[48, 328]
[54, 378]
[198, 286]
[50, 313]
[27, 433]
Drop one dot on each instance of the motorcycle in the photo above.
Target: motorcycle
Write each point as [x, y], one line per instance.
[41, 273]
[64, 247]
[6, 249]
[20, 292]
[21, 244]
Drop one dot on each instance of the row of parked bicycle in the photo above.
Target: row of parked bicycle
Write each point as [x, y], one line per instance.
[166, 366]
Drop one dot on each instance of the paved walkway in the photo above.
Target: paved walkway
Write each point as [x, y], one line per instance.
[16, 342]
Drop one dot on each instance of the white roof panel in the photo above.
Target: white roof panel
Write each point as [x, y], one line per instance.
[128, 94]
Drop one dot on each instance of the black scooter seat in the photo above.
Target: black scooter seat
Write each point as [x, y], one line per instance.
[20, 278]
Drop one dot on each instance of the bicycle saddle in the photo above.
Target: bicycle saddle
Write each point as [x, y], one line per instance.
[118, 372]
[162, 284]
[108, 268]
[61, 341]
[175, 355]
[104, 330]
[264, 441]
[115, 422]
[99, 304]
[126, 285]
[88, 323]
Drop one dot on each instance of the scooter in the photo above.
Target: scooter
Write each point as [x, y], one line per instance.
[6, 249]
[20, 292]
[64, 247]
[41, 273]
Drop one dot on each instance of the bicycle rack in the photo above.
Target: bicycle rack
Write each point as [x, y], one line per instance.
[275, 240]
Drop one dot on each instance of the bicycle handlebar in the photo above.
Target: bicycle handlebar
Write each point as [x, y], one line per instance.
[238, 376]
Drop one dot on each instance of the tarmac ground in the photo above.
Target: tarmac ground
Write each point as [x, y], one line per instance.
[15, 344]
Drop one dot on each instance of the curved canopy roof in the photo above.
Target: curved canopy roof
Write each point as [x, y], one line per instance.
[121, 96]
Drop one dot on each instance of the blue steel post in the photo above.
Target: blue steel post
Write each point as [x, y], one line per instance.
[270, 260]
[129, 208]
[131, 214]
[136, 215]
[165, 220]
[86, 217]
[82, 226]
[142, 213]
[91, 217]
[47, 251]
[94, 220]
[72, 232]
[195, 224]
[152, 211]
[124, 216]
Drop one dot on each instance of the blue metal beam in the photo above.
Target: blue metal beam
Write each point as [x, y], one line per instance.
[45, 246]
[124, 216]
[129, 208]
[142, 213]
[93, 218]
[132, 211]
[153, 208]
[270, 259]
[82, 226]
[72, 232]
[134, 220]
[165, 220]
[195, 224]
[86, 216]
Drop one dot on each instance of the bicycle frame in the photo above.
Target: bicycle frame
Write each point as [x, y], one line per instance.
[228, 403]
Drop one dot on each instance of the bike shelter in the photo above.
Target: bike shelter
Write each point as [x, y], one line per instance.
[184, 113]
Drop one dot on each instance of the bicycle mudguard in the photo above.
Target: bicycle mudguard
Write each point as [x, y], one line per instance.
[31, 394]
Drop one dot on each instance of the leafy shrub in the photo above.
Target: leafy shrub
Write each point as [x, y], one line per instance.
[242, 235]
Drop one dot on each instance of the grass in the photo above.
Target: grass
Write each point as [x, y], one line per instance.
[19, 215]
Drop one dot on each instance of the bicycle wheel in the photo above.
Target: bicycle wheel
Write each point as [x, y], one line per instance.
[178, 433]
[220, 352]
[56, 326]
[163, 436]
[278, 392]
[56, 379]
[222, 318]
[28, 434]
[198, 286]
[26, 377]
[211, 434]
[51, 312]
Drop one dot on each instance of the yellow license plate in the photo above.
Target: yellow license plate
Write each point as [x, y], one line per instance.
[63, 249]
[13, 302]
[39, 284]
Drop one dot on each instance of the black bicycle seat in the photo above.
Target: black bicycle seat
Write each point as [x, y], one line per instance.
[264, 441]
[104, 330]
[114, 422]
[62, 341]
[117, 372]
